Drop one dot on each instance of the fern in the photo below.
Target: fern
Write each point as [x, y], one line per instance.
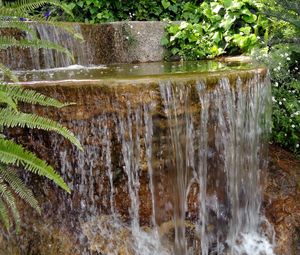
[14, 154]
[17, 185]
[9, 200]
[18, 93]
[31, 5]
[11, 153]
[10, 118]
[4, 99]
[4, 218]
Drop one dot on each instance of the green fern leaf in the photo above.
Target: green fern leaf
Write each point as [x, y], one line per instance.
[31, 5]
[9, 12]
[17, 185]
[5, 99]
[15, 154]
[4, 217]
[20, 94]
[10, 118]
[9, 200]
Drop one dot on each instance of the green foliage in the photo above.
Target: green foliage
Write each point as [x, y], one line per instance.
[217, 27]
[286, 115]
[286, 10]
[13, 155]
[95, 11]
[283, 59]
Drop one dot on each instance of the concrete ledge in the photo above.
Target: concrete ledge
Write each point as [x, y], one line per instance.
[125, 42]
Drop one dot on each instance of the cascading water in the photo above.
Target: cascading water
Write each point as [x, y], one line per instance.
[173, 157]
[68, 37]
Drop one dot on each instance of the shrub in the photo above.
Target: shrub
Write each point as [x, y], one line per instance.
[231, 27]
[95, 11]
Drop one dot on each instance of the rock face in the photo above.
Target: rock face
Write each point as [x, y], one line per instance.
[117, 42]
[282, 200]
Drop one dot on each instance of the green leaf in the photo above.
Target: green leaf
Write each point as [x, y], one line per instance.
[71, 6]
[227, 22]
[173, 29]
[217, 37]
[164, 41]
[216, 7]
[227, 3]
[246, 30]
[165, 3]
[6, 99]
[248, 16]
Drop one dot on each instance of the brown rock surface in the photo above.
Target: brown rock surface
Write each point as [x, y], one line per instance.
[282, 200]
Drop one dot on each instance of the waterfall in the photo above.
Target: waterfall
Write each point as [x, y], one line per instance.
[171, 165]
[67, 37]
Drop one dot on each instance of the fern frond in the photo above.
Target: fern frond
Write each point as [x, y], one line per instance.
[4, 217]
[9, 12]
[30, 96]
[9, 200]
[17, 185]
[10, 118]
[31, 5]
[15, 154]
[9, 41]
[8, 73]
[5, 99]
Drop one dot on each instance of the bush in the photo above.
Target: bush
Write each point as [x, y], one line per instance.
[96, 11]
[282, 56]
[217, 27]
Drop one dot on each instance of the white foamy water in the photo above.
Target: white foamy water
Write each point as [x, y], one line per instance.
[254, 244]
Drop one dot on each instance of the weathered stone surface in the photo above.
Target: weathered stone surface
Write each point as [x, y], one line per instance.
[125, 42]
[282, 200]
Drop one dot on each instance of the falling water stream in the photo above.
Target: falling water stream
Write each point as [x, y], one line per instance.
[68, 36]
[173, 159]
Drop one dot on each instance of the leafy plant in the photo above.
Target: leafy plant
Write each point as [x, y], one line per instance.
[94, 11]
[222, 26]
[12, 155]
[283, 59]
